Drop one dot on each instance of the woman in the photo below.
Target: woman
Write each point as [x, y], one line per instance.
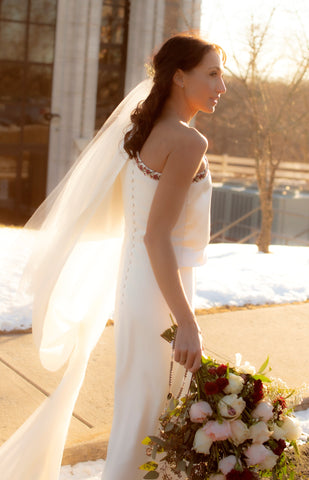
[160, 184]
[166, 190]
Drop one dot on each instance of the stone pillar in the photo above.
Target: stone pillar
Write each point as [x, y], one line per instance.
[74, 83]
[191, 18]
[181, 16]
[146, 28]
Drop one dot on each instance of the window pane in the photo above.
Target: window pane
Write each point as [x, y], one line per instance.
[33, 177]
[110, 56]
[8, 172]
[11, 82]
[12, 41]
[34, 115]
[14, 9]
[43, 11]
[39, 81]
[10, 129]
[108, 91]
[112, 26]
[41, 44]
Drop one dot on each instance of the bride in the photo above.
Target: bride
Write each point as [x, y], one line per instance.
[155, 177]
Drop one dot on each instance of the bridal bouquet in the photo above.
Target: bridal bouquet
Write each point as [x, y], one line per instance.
[233, 424]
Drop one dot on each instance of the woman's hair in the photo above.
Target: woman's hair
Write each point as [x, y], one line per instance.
[182, 51]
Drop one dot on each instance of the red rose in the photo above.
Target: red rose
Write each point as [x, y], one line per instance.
[244, 475]
[234, 475]
[257, 391]
[280, 401]
[280, 447]
[211, 388]
[222, 383]
[212, 370]
[221, 370]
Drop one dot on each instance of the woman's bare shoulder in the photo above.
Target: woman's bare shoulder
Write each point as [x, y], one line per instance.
[187, 143]
[190, 137]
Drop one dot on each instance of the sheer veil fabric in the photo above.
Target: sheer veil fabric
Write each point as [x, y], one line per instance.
[71, 274]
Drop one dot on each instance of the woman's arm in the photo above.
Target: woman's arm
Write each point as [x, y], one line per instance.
[179, 171]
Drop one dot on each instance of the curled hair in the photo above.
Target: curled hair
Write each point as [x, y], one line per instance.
[182, 51]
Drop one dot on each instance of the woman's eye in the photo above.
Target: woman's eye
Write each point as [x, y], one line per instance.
[213, 74]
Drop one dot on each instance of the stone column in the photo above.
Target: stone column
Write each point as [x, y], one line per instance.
[146, 29]
[74, 83]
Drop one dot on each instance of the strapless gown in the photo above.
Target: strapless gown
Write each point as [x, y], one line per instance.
[142, 314]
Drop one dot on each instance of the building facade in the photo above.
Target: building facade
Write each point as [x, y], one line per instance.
[64, 66]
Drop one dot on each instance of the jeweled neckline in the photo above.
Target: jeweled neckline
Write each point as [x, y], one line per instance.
[156, 175]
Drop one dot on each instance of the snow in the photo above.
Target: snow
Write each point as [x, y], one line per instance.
[233, 275]
[82, 471]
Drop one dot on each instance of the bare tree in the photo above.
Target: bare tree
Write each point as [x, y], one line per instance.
[273, 118]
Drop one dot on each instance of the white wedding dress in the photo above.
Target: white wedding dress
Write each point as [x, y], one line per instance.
[142, 314]
[71, 274]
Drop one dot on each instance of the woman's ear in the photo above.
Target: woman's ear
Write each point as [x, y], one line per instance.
[178, 78]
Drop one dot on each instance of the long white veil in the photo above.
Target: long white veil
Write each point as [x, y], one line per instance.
[71, 275]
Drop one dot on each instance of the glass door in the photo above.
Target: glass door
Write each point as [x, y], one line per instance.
[27, 37]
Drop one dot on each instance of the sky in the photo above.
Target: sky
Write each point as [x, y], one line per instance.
[226, 22]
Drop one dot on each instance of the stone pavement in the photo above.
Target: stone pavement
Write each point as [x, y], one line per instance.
[282, 332]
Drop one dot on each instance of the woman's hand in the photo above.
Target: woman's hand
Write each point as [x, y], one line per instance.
[189, 346]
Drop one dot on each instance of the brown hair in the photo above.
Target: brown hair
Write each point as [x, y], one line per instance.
[183, 51]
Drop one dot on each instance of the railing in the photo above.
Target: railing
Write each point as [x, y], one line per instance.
[253, 231]
[226, 167]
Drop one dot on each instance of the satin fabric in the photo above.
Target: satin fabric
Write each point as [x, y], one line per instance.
[142, 314]
[71, 274]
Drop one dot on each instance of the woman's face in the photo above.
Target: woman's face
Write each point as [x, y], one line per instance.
[204, 84]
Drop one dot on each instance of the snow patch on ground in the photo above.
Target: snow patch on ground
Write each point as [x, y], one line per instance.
[233, 275]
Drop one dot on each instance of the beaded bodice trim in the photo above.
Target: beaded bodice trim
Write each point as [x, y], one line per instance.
[156, 175]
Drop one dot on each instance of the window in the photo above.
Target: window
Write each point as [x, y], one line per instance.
[27, 36]
[112, 57]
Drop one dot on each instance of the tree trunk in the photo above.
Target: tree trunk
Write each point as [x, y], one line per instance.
[264, 238]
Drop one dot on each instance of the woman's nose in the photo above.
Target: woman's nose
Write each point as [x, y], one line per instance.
[221, 88]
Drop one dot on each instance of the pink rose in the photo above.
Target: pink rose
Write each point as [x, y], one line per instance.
[257, 454]
[199, 411]
[227, 464]
[263, 411]
[218, 431]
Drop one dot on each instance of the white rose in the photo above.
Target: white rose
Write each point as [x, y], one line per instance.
[202, 442]
[227, 464]
[247, 368]
[235, 385]
[240, 432]
[278, 432]
[259, 432]
[291, 428]
[263, 411]
[270, 460]
[199, 411]
[231, 406]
